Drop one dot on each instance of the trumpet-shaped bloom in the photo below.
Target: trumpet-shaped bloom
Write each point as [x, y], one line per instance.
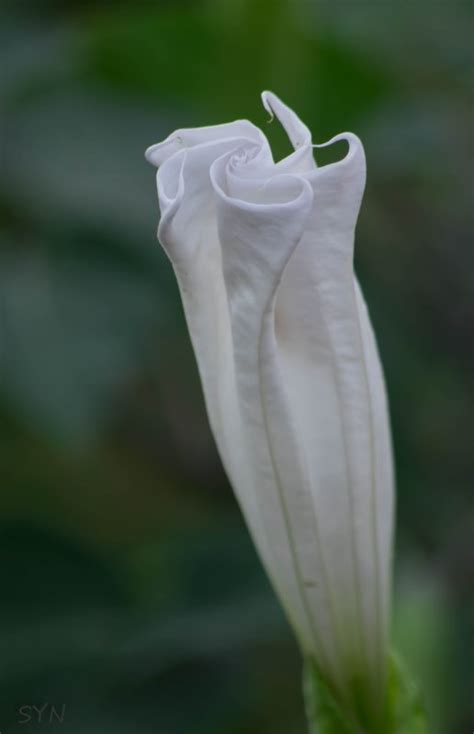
[263, 254]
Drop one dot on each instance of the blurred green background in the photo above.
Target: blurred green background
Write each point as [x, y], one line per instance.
[130, 591]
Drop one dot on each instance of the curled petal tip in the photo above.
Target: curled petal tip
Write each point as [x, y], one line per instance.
[158, 153]
[353, 159]
[152, 155]
[352, 139]
[297, 132]
[267, 98]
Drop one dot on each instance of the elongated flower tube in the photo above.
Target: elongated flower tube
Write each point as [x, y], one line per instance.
[263, 255]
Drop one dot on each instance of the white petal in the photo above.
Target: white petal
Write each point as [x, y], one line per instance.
[331, 367]
[188, 233]
[257, 239]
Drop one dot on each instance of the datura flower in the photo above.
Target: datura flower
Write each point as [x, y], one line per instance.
[263, 254]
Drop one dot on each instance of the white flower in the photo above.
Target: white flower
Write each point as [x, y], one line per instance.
[263, 254]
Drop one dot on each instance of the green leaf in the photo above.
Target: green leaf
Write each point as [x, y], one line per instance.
[328, 714]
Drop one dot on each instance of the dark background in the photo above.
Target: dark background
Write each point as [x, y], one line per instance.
[130, 590]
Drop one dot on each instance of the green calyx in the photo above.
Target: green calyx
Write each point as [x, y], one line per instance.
[402, 714]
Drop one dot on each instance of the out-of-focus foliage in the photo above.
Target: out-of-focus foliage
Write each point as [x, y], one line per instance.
[130, 590]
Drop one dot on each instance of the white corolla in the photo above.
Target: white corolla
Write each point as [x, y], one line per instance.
[263, 254]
